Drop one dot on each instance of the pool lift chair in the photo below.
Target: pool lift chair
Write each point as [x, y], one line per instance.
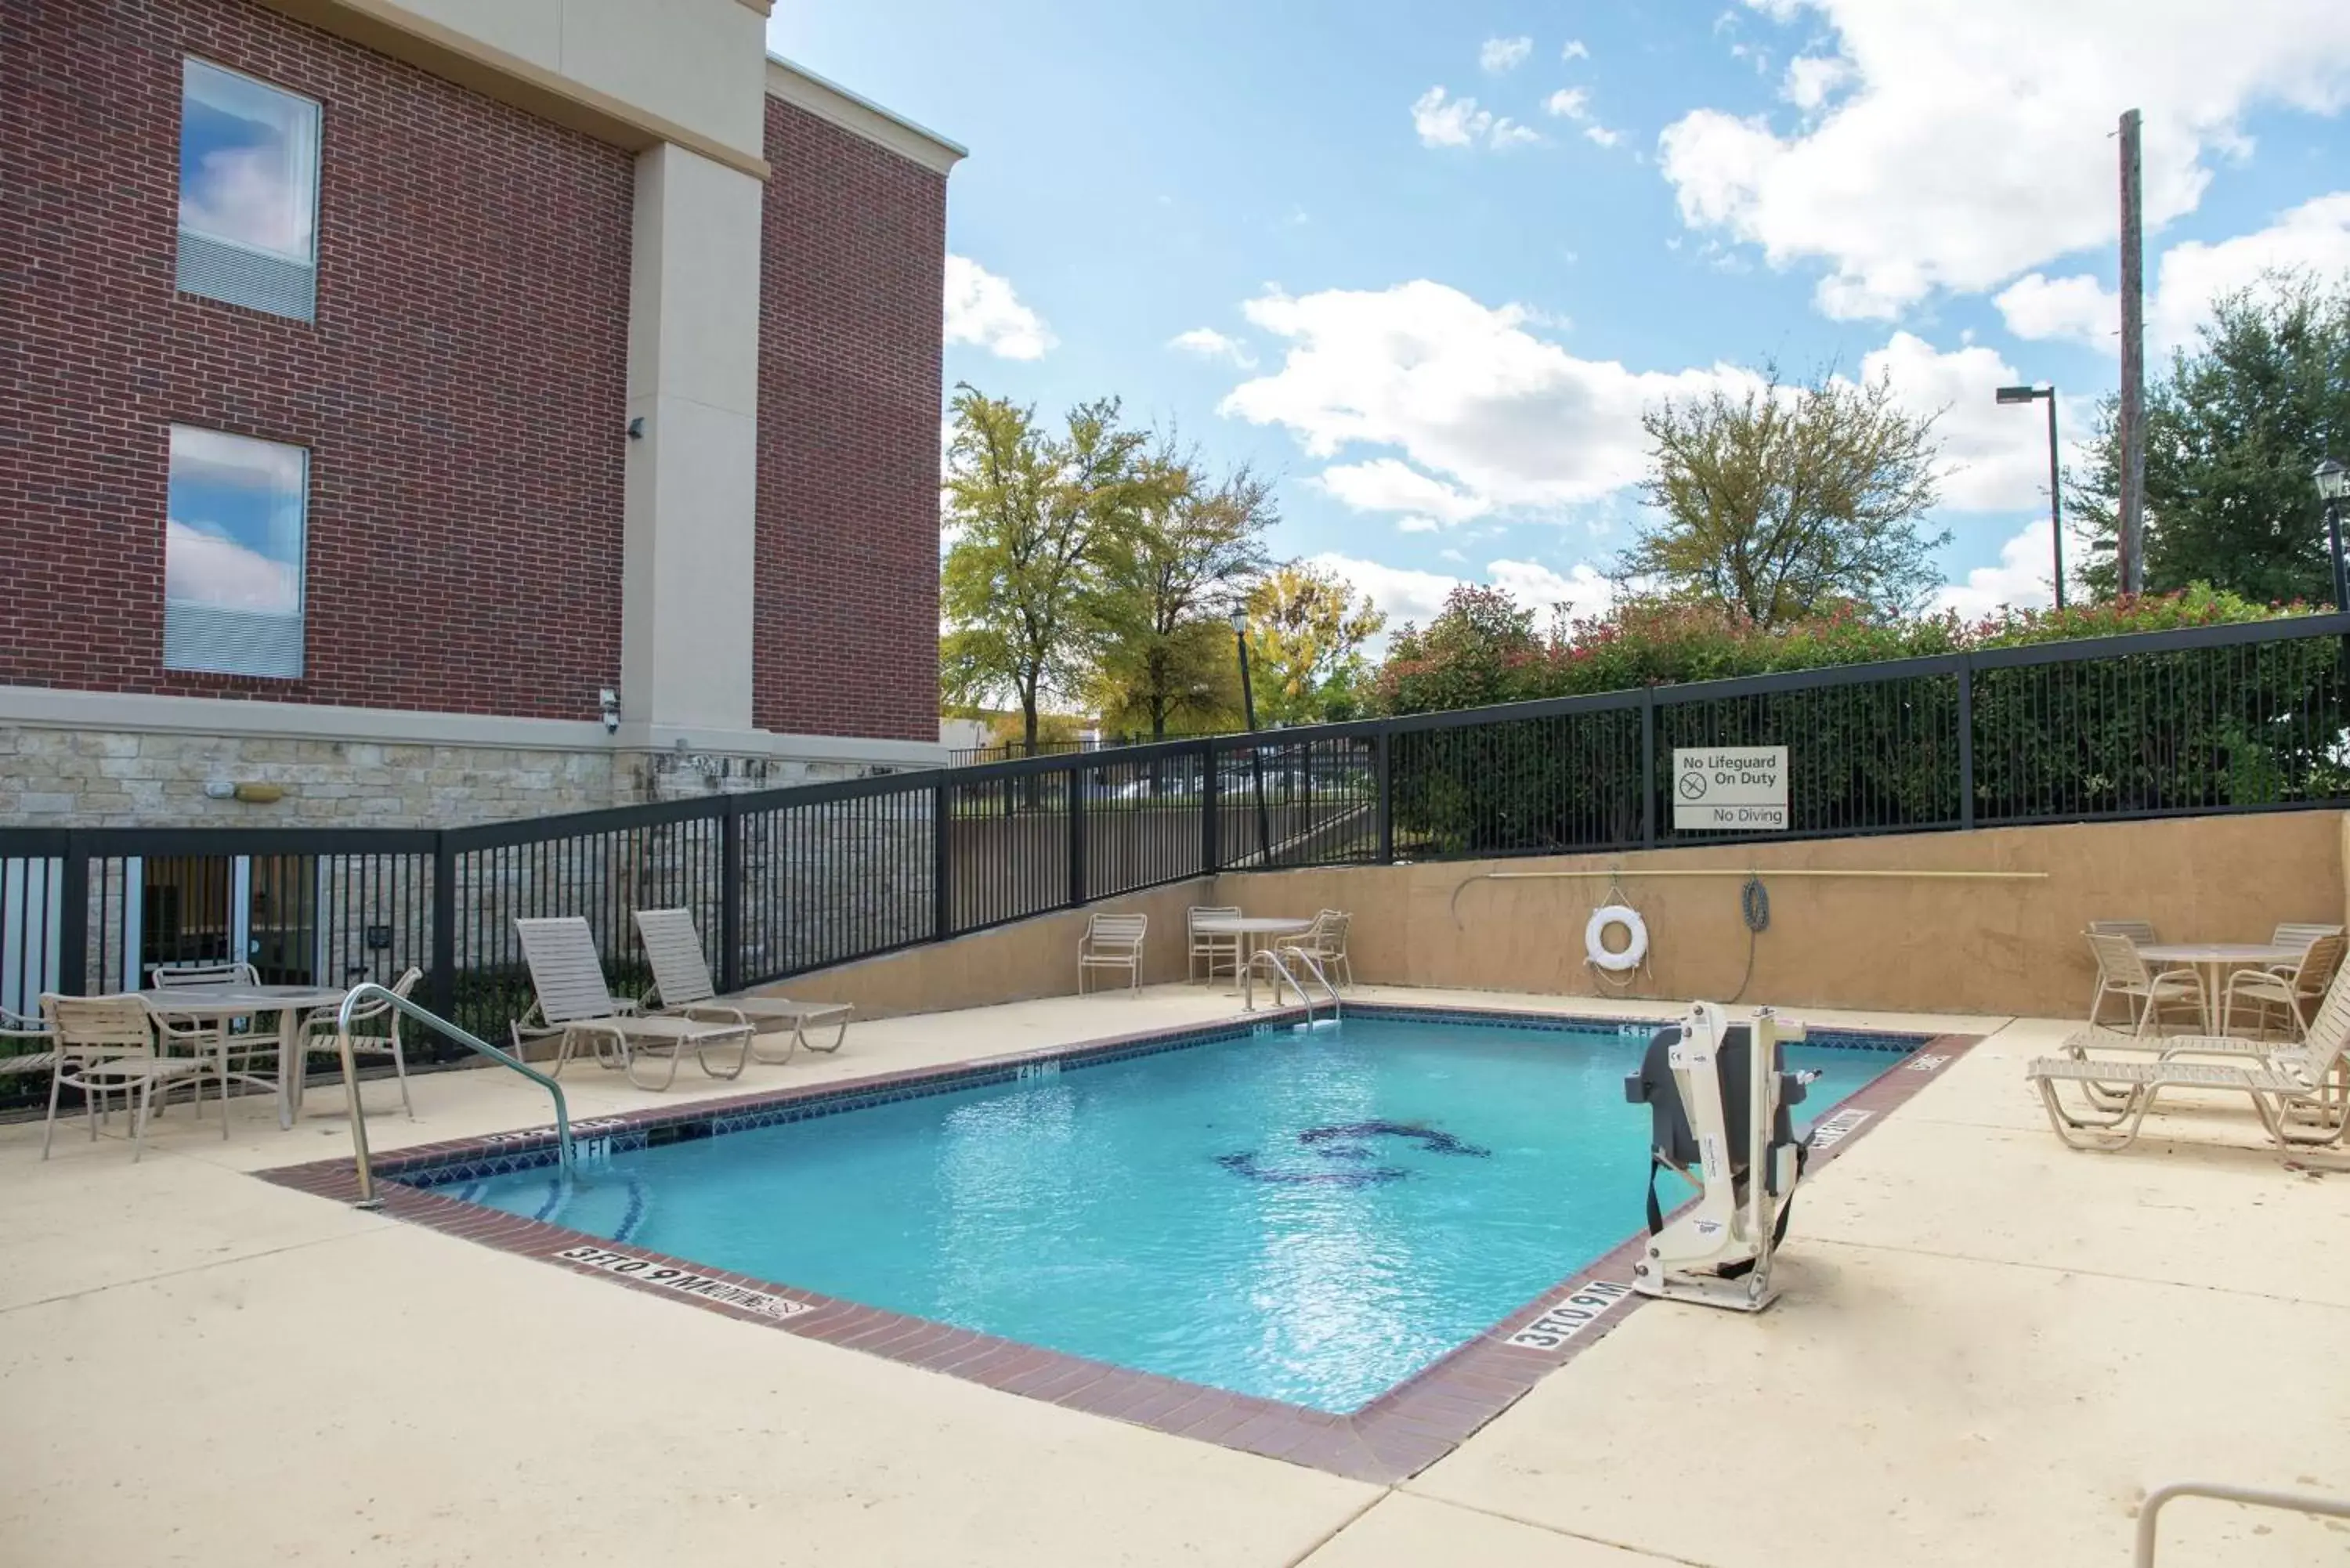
[1717, 1109]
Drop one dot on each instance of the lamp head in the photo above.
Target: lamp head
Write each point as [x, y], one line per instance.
[1238, 617]
[2333, 478]
[2023, 394]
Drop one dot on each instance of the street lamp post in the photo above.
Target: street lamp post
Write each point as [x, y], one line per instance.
[2055, 504]
[2333, 484]
[1256, 754]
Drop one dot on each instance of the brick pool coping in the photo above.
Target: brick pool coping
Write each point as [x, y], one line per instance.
[1397, 1435]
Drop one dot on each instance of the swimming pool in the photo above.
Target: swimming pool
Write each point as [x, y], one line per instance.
[1307, 1215]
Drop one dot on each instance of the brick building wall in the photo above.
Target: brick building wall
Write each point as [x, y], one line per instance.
[849, 388]
[461, 390]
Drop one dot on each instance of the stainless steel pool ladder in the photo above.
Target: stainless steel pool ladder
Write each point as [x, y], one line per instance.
[2252, 1497]
[1268, 959]
[371, 993]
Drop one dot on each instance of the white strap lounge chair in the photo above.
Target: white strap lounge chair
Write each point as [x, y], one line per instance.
[1220, 951]
[105, 1045]
[2293, 1088]
[1113, 941]
[575, 1002]
[681, 981]
[2122, 972]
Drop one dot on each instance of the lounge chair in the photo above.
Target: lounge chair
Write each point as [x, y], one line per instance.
[2293, 1088]
[105, 1045]
[1113, 941]
[1217, 950]
[681, 980]
[575, 1003]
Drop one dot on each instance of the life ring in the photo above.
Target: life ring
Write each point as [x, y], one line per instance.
[1636, 935]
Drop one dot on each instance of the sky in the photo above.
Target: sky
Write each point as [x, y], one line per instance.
[1426, 263]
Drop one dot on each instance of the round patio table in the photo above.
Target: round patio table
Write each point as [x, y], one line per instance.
[219, 1003]
[1253, 930]
[2214, 959]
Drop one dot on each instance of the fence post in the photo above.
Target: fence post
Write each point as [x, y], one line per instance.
[729, 895]
[1383, 771]
[1076, 788]
[1648, 765]
[1211, 810]
[445, 927]
[1966, 741]
[941, 861]
[73, 919]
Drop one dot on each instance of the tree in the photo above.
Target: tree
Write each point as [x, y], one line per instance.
[1306, 631]
[1029, 514]
[1168, 580]
[1786, 498]
[1470, 654]
[2232, 431]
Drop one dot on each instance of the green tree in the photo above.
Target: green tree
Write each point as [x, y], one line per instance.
[1029, 514]
[1168, 580]
[1787, 498]
[2232, 430]
[1306, 632]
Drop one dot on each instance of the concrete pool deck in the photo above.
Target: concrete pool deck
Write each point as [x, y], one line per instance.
[1989, 1348]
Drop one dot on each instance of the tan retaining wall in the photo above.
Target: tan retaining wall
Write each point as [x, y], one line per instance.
[1012, 963]
[1921, 945]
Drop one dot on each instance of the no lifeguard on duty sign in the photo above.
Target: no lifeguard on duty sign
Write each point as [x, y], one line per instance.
[1730, 789]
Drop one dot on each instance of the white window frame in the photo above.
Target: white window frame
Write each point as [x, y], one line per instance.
[221, 267]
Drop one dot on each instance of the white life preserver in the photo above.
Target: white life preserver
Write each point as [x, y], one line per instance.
[1636, 937]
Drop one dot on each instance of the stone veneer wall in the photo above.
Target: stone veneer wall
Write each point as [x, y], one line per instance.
[82, 778]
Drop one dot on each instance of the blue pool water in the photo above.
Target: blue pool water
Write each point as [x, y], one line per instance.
[1311, 1217]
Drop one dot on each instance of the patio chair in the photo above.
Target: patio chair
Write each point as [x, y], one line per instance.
[1113, 941]
[2298, 991]
[2139, 931]
[1217, 950]
[1324, 942]
[575, 1002]
[246, 1051]
[681, 979]
[2293, 934]
[105, 1045]
[2295, 1090]
[320, 1028]
[2121, 973]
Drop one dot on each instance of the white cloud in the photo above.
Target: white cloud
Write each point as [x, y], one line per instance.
[1574, 50]
[2026, 570]
[1417, 525]
[1575, 104]
[2313, 236]
[244, 193]
[2076, 309]
[1404, 594]
[1974, 140]
[1813, 79]
[1580, 591]
[1995, 455]
[1386, 484]
[1500, 54]
[1465, 392]
[981, 308]
[202, 568]
[1207, 343]
[1444, 121]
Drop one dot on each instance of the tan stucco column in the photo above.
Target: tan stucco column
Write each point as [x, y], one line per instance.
[689, 519]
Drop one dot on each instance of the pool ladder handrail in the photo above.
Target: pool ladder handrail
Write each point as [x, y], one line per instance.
[1273, 959]
[369, 992]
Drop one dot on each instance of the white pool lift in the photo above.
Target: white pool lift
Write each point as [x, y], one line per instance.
[1718, 1096]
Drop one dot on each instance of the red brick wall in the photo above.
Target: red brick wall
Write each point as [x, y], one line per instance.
[850, 293]
[461, 391]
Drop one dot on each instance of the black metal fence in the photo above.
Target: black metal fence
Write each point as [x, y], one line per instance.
[2227, 719]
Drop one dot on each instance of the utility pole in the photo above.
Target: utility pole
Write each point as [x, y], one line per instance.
[2132, 534]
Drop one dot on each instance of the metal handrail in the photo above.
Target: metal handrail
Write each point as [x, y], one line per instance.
[2255, 1497]
[369, 992]
[1268, 957]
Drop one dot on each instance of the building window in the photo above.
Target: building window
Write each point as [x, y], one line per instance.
[248, 192]
[232, 555]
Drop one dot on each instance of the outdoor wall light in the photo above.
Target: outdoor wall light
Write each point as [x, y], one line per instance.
[610, 701]
[636, 428]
